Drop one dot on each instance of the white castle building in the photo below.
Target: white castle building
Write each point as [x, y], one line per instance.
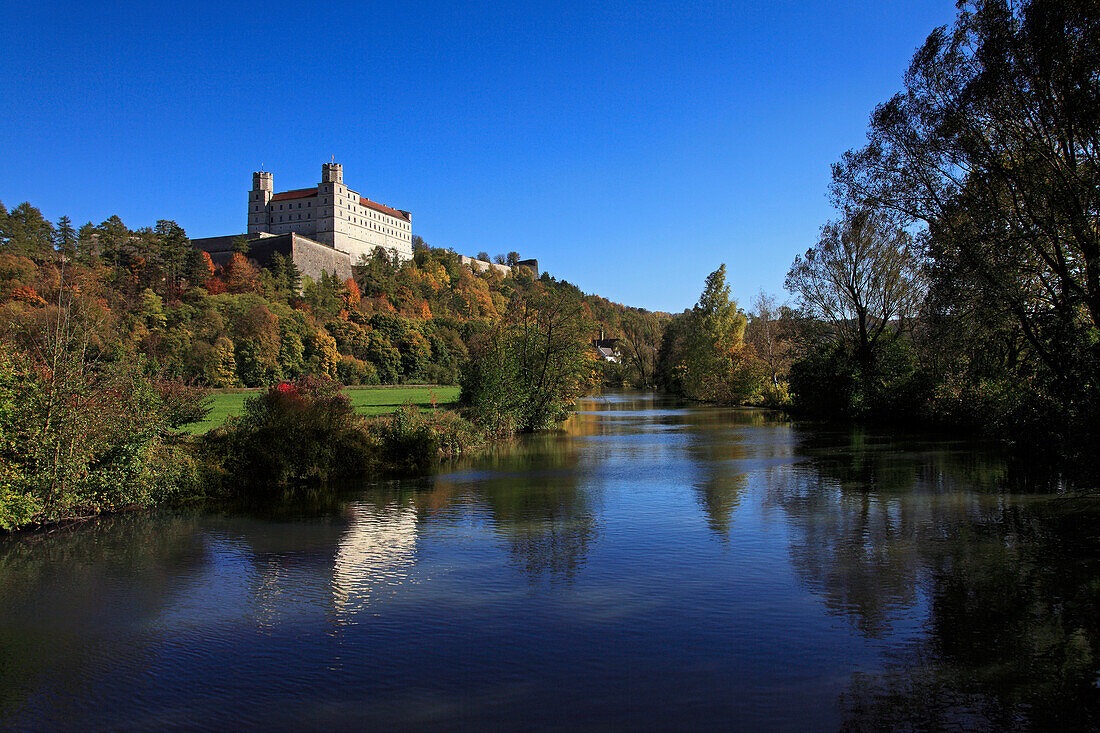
[331, 213]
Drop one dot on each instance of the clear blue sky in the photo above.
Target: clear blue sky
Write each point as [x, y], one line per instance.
[630, 146]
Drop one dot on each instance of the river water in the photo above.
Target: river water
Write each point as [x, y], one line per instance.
[655, 566]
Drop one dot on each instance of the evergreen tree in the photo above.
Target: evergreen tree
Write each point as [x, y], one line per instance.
[28, 233]
[66, 237]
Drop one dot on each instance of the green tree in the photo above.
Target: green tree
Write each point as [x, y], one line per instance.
[66, 237]
[26, 232]
[705, 356]
[175, 248]
[525, 373]
[386, 359]
[770, 332]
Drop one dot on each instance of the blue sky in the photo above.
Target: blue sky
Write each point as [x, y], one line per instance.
[630, 147]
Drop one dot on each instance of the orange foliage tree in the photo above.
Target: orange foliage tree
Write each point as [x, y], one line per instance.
[241, 276]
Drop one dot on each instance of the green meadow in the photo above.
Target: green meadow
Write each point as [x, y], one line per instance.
[366, 400]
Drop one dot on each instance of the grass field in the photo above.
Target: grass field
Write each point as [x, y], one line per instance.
[366, 400]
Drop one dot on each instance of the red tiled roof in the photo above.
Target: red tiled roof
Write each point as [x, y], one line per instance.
[384, 209]
[298, 193]
[302, 193]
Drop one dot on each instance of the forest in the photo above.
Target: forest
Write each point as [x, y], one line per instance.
[111, 337]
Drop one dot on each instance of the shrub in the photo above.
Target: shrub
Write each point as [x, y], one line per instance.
[411, 440]
[294, 434]
[76, 440]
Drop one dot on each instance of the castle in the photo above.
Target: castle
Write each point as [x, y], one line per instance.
[322, 229]
[330, 213]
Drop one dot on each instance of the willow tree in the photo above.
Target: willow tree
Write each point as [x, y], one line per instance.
[525, 373]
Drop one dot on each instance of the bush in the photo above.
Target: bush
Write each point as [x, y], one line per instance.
[411, 440]
[77, 441]
[294, 434]
[775, 396]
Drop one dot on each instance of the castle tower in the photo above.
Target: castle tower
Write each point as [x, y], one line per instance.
[263, 187]
[332, 202]
[332, 173]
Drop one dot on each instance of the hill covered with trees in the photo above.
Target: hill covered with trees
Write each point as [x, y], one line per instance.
[109, 337]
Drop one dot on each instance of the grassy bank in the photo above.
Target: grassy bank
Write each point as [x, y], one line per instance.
[366, 401]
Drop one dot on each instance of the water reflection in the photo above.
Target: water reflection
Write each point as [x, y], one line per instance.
[377, 551]
[653, 565]
[60, 602]
[987, 601]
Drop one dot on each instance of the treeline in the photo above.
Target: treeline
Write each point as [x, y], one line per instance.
[148, 293]
[960, 284]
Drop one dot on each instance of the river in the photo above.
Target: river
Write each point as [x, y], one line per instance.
[654, 566]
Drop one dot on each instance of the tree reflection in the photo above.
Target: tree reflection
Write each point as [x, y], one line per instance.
[1012, 640]
[718, 444]
[542, 511]
[888, 530]
[68, 568]
[866, 510]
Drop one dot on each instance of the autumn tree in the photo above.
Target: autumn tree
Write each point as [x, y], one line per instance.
[704, 355]
[240, 275]
[770, 332]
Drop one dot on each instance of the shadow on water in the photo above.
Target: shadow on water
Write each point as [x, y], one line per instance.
[67, 576]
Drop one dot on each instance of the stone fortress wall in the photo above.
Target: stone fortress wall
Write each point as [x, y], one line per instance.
[312, 258]
[482, 265]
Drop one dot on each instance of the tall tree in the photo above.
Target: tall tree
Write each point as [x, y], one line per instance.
[66, 237]
[26, 232]
[995, 146]
[704, 355]
[863, 279]
[174, 250]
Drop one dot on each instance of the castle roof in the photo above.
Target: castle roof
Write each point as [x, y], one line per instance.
[384, 209]
[304, 193]
[298, 193]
